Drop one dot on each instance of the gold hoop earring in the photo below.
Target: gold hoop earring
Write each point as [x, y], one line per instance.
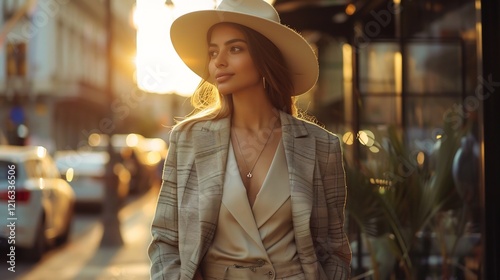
[264, 82]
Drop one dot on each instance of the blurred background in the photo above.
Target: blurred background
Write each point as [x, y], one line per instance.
[89, 90]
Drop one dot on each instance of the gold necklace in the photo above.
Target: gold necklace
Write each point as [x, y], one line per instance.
[249, 174]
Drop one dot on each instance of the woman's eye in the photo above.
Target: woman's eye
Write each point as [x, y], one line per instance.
[236, 49]
[212, 54]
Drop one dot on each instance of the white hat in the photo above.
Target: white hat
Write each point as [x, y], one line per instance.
[189, 34]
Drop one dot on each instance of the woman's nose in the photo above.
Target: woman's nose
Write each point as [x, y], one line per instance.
[220, 60]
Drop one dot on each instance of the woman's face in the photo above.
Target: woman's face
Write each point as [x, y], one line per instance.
[231, 67]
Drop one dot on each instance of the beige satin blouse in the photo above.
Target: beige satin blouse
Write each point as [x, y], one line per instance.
[265, 231]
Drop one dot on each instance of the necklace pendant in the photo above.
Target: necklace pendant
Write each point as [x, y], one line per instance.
[249, 175]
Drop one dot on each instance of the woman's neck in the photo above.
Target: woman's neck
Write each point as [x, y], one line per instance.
[253, 112]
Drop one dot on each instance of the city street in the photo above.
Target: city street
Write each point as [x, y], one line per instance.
[392, 105]
[83, 258]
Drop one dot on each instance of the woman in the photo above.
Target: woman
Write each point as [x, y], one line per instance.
[249, 191]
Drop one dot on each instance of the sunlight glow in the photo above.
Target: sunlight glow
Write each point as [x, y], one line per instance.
[350, 9]
[348, 138]
[132, 140]
[94, 140]
[70, 173]
[366, 137]
[41, 152]
[159, 68]
[420, 158]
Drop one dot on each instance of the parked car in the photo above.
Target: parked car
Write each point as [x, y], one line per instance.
[86, 173]
[36, 204]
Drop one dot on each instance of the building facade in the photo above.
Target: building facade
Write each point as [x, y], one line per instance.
[53, 74]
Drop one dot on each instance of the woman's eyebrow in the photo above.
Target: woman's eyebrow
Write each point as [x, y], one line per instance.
[229, 42]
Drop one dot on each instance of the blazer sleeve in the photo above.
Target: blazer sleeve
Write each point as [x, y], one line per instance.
[163, 250]
[338, 257]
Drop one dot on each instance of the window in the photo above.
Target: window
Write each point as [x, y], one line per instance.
[16, 60]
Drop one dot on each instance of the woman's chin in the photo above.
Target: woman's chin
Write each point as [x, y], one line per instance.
[223, 90]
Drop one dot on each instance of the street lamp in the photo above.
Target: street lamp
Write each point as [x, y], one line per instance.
[111, 236]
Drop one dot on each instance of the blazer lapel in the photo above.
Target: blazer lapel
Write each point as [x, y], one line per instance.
[300, 154]
[210, 147]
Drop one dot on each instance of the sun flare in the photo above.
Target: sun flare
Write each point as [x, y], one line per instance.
[158, 67]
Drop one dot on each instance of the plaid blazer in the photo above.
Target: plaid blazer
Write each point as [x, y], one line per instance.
[190, 197]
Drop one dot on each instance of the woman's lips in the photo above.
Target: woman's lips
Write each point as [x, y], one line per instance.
[222, 78]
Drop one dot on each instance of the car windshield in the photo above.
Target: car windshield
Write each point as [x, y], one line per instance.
[7, 168]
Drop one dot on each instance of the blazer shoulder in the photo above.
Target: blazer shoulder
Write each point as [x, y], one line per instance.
[319, 131]
[185, 130]
[189, 126]
[203, 125]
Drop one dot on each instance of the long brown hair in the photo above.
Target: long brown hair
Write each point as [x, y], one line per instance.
[209, 104]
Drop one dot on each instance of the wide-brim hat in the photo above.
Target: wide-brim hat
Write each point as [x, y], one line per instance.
[189, 38]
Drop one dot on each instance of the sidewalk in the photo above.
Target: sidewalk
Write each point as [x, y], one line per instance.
[83, 259]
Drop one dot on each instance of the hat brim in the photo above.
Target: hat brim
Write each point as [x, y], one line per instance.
[188, 34]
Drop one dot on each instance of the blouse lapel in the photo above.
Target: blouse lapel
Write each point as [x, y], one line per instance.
[236, 201]
[275, 190]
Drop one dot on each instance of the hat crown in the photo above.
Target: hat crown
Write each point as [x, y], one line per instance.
[257, 8]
